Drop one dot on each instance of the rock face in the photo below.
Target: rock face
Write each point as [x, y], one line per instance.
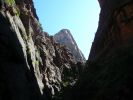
[109, 73]
[32, 65]
[115, 27]
[101, 2]
[65, 37]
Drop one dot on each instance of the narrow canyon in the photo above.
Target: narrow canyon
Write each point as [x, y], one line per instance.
[37, 66]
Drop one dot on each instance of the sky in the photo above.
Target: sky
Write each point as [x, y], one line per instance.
[79, 16]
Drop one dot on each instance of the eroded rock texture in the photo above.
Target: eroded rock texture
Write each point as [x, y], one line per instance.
[115, 27]
[32, 65]
[65, 37]
[109, 72]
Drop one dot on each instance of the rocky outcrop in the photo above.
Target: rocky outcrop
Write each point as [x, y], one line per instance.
[65, 37]
[101, 2]
[108, 74]
[115, 27]
[32, 65]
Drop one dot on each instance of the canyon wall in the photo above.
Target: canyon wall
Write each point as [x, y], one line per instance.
[109, 73]
[65, 37]
[32, 65]
[115, 27]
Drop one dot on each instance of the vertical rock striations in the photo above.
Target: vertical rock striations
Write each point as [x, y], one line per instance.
[32, 65]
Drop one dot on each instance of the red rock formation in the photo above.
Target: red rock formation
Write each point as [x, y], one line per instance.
[32, 65]
[124, 20]
[115, 27]
[108, 73]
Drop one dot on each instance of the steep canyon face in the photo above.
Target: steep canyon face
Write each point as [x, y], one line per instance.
[109, 73]
[35, 67]
[65, 37]
[32, 65]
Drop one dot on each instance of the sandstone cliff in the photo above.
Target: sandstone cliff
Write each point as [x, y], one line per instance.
[115, 27]
[109, 73]
[65, 37]
[32, 65]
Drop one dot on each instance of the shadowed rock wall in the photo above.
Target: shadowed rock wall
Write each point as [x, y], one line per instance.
[32, 65]
[109, 73]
